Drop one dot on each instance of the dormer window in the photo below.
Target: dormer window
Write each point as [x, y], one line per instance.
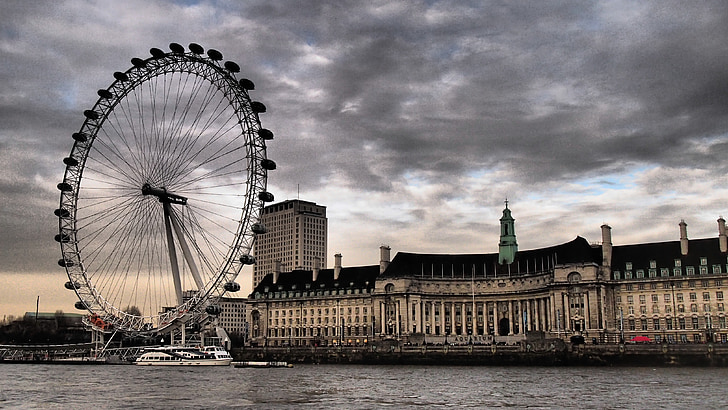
[628, 266]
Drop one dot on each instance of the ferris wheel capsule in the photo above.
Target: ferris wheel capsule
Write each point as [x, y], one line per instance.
[232, 287]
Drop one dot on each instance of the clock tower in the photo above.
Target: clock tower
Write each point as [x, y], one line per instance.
[507, 247]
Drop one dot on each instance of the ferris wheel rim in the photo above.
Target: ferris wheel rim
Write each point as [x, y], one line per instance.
[222, 76]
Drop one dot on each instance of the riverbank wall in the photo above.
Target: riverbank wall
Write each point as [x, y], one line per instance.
[549, 353]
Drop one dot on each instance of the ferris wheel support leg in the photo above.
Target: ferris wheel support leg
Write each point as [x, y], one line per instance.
[172, 253]
[186, 251]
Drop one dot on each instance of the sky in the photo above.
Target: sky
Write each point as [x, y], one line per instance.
[411, 121]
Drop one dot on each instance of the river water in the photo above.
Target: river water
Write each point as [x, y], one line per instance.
[359, 387]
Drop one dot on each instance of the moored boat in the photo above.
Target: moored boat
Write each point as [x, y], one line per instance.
[185, 356]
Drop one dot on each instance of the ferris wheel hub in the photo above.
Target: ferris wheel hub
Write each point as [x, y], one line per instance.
[163, 195]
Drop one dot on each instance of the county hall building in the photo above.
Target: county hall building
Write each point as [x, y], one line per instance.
[667, 291]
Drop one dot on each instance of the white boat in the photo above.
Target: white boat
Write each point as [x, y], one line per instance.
[185, 356]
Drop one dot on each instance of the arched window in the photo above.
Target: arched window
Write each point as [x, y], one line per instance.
[574, 277]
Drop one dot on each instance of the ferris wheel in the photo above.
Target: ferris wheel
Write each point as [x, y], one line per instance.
[162, 192]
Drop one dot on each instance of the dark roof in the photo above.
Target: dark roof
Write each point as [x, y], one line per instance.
[466, 265]
[665, 253]
[362, 277]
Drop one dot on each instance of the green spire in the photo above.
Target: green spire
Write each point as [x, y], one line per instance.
[507, 247]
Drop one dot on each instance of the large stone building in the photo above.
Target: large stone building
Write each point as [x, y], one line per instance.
[296, 237]
[668, 291]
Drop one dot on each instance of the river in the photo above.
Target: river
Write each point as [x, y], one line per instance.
[27, 386]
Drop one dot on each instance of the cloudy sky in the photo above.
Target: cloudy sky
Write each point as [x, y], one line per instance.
[411, 121]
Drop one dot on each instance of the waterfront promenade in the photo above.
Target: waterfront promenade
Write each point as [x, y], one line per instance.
[551, 353]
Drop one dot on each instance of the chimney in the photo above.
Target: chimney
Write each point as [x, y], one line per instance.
[606, 245]
[683, 238]
[722, 239]
[276, 270]
[316, 267]
[383, 258]
[337, 266]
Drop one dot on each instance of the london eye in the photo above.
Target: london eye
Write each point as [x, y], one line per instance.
[162, 191]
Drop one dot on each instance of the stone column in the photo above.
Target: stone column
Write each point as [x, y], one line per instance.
[510, 317]
[397, 317]
[452, 318]
[541, 314]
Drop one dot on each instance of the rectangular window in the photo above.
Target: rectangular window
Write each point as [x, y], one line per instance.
[695, 323]
[679, 297]
[630, 299]
[656, 324]
[681, 323]
[664, 272]
[667, 297]
[693, 296]
[690, 270]
[631, 324]
[643, 299]
[706, 295]
[644, 324]
[655, 298]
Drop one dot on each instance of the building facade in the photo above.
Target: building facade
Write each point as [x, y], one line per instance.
[233, 312]
[667, 291]
[320, 307]
[296, 236]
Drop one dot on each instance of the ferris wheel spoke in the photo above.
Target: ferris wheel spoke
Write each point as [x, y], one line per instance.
[121, 127]
[194, 231]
